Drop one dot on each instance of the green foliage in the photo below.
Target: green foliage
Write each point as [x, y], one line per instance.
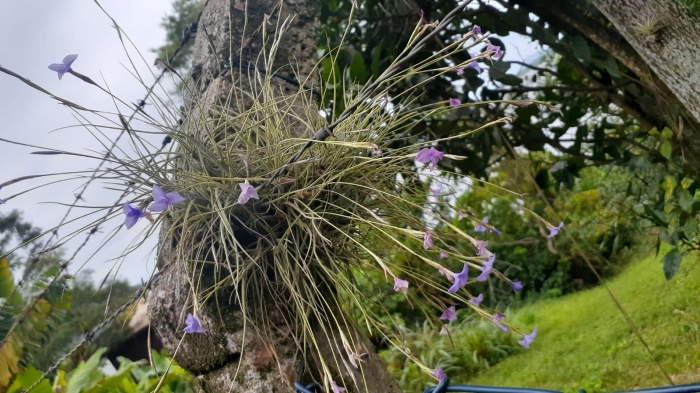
[473, 345]
[131, 377]
[184, 14]
[86, 311]
[584, 342]
[26, 323]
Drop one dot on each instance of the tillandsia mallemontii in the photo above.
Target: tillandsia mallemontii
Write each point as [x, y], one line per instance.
[273, 208]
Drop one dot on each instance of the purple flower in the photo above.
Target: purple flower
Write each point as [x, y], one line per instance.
[497, 49]
[486, 269]
[247, 192]
[64, 67]
[480, 227]
[431, 155]
[474, 64]
[455, 102]
[444, 254]
[427, 240]
[497, 319]
[461, 279]
[193, 325]
[481, 248]
[476, 29]
[439, 374]
[133, 214]
[528, 338]
[553, 231]
[334, 386]
[517, 285]
[163, 200]
[460, 70]
[476, 301]
[400, 285]
[448, 314]
[443, 331]
[376, 151]
[496, 231]
[436, 191]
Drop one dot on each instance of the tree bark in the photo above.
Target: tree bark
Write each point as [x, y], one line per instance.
[665, 34]
[231, 357]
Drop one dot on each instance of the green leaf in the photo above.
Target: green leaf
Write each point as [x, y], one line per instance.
[27, 379]
[685, 200]
[666, 150]
[686, 183]
[580, 48]
[672, 262]
[376, 59]
[86, 374]
[690, 226]
[511, 80]
[358, 69]
[666, 133]
[669, 185]
[611, 66]
[498, 70]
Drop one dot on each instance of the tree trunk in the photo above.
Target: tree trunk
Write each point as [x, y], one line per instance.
[665, 34]
[232, 357]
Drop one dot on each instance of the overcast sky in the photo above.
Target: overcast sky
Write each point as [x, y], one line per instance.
[36, 33]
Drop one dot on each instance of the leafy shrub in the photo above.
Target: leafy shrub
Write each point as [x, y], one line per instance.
[473, 345]
[132, 377]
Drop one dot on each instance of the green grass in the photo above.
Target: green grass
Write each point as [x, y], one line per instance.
[585, 343]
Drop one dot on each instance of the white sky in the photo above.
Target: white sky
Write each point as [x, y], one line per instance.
[34, 34]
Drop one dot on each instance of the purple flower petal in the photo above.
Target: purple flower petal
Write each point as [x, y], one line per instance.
[497, 51]
[427, 240]
[476, 301]
[158, 193]
[479, 227]
[528, 338]
[68, 60]
[193, 325]
[174, 198]
[334, 386]
[444, 255]
[553, 231]
[481, 249]
[400, 285]
[460, 278]
[517, 285]
[62, 68]
[455, 102]
[474, 64]
[130, 221]
[132, 213]
[476, 29]
[448, 314]
[497, 319]
[486, 269]
[439, 374]
[162, 201]
[431, 155]
[247, 192]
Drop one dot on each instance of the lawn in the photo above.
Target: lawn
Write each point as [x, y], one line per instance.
[584, 341]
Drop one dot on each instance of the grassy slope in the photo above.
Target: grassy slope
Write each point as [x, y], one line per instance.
[584, 342]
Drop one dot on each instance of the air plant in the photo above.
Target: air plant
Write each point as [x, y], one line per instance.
[264, 211]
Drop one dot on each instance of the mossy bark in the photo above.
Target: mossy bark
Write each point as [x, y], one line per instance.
[232, 357]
